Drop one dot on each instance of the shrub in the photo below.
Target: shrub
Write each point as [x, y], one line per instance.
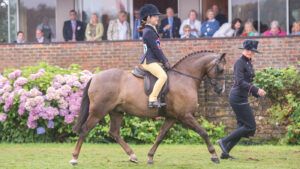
[45, 98]
[282, 87]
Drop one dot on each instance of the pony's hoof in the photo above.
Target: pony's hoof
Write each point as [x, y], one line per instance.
[133, 159]
[150, 162]
[215, 160]
[73, 162]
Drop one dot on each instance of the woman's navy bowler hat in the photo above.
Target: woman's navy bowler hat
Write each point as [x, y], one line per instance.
[251, 45]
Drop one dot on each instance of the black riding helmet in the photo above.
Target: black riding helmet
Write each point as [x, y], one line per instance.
[148, 10]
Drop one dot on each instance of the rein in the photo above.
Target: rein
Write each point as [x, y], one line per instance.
[200, 79]
[183, 74]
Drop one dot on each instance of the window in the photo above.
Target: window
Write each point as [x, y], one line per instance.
[4, 21]
[294, 12]
[245, 10]
[106, 11]
[35, 12]
[272, 10]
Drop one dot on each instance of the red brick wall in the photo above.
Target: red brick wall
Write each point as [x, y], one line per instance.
[276, 52]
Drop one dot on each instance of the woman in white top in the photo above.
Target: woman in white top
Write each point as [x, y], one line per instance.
[193, 23]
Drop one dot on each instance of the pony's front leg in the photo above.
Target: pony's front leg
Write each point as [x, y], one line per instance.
[162, 133]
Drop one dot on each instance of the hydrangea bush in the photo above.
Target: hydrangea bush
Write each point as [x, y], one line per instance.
[44, 97]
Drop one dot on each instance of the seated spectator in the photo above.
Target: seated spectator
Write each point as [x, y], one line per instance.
[210, 26]
[20, 37]
[296, 28]
[193, 23]
[230, 30]
[39, 36]
[187, 32]
[94, 30]
[237, 26]
[137, 23]
[170, 26]
[73, 29]
[249, 30]
[275, 30]
[219, 17]
[46, 29]
[119, 29]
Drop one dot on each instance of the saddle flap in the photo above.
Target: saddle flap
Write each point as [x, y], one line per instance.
[139, 72]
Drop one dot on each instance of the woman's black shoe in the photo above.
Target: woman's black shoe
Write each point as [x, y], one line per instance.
[222, 146]
[227, 156]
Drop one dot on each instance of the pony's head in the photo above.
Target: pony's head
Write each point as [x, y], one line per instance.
[215, 72]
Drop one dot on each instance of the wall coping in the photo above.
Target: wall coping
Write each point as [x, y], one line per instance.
[165, 40]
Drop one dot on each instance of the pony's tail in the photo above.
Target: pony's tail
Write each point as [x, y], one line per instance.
[84, 109]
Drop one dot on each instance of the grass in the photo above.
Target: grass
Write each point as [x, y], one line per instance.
[103, 156]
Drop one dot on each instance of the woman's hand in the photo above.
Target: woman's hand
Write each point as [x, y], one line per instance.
[261, 92]
[167, 66]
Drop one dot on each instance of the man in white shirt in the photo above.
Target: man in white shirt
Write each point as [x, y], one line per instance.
[119, 29]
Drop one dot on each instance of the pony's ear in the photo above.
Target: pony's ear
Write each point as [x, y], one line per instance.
[222, 57]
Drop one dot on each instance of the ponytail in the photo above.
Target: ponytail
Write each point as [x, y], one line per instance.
[143, 24]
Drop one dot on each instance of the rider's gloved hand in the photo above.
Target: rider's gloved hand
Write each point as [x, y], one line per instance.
[167, 66]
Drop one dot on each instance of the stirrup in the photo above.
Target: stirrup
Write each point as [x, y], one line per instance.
[156, 104]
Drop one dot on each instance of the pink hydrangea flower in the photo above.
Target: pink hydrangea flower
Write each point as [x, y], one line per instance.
[63, 112]
[60, 79]
[69, 119]
[3, 117]
[15, 74]
[20, 81]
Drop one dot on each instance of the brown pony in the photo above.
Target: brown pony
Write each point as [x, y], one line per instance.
[116, 92]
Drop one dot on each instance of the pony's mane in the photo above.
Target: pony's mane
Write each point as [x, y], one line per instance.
[190, 55]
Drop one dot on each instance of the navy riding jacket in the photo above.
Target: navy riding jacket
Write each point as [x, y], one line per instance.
[243, 77]
[152, 50]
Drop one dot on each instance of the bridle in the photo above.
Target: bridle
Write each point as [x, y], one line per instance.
[212, 81]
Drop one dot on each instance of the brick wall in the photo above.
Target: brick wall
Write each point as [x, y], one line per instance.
[277, 52]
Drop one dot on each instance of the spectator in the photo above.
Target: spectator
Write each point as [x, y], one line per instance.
[20, 37]
[249, 30]
[39, 35]
[137, 23]
[187, 32]
[119, 29]
[237, 26]
[210, 26]
[46, 29]
[193, 23]
[219, 17]
[94, 30]
[170, 26]
[296, 28]
[230, 30]
[73, 30]
[275, 30]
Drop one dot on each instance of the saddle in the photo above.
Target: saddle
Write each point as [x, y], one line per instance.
[149, 81]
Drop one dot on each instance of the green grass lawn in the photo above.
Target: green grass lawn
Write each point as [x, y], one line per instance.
[57, 156]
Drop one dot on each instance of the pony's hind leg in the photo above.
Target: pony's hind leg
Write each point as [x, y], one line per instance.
[162, 133]
[114, 131]
[190, 121]
[88, 125]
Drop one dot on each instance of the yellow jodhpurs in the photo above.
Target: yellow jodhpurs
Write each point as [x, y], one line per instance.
[156, 70]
